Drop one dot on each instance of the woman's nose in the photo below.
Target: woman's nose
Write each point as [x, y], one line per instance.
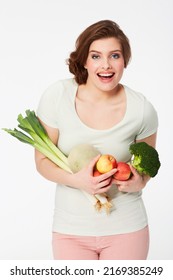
[106, 64]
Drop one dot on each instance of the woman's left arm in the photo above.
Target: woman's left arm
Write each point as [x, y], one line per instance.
[137, 182]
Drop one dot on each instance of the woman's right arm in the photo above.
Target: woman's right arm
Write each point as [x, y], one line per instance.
[82, 180]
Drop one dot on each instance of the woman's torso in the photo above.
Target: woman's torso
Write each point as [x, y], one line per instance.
[74, 213]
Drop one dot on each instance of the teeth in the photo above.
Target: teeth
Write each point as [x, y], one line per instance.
[106, 75]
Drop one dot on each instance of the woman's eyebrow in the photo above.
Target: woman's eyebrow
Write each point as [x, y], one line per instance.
[95, 51]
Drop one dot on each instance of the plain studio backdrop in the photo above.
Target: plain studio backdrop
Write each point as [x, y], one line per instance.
[36, 38]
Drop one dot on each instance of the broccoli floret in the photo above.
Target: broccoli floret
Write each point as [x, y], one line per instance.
[145, 158]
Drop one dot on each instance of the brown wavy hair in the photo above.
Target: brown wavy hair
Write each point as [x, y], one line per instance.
[99, 30]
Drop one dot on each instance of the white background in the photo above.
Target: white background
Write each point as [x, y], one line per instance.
[36, 37]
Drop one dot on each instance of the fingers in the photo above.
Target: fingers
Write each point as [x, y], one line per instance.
[93, 163]
[103, 190]
[134, 171]
[103, 185]
[107, 174]
[103, 182]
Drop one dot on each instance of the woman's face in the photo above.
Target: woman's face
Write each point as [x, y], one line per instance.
[105, 64]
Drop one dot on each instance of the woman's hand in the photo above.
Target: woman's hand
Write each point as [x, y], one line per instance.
[85, 180]
[134, 184]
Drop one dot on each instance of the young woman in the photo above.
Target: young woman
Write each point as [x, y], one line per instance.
[94, 108]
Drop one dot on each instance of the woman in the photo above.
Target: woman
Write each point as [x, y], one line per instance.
[94, 108]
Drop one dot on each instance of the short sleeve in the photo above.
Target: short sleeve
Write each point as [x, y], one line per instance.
[48, 105]
[149, 124]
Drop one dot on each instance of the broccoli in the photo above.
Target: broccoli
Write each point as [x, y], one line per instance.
[145, 159]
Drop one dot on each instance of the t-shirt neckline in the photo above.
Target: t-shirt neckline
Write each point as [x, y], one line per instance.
[94, 129]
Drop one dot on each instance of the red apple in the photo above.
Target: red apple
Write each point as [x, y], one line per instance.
[123, 171]
[106, 163]
[96, 173]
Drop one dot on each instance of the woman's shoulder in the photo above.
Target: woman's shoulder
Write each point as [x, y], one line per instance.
[55, 91]
[134, 94]
[138, 100]
[137, 97]
[52, 99]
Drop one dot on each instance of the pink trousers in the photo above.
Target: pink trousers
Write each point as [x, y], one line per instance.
[130, 246]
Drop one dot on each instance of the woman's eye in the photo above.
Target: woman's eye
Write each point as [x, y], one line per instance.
[115, 55]
[95, 56]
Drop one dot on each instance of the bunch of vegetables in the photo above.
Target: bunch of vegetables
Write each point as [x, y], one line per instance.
[38, 138]
[145, 159]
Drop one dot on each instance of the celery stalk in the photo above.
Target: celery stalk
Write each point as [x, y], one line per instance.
[52, 157]
[39, 138]
[41, 132]
[40, 146]
[20, 136]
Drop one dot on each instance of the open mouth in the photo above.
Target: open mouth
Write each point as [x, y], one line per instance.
[105, 75]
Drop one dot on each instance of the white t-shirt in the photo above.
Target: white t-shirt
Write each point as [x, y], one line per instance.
[74, 213]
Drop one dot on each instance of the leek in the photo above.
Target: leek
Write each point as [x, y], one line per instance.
[38, 138]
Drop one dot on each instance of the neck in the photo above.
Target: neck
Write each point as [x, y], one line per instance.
[92, 93]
